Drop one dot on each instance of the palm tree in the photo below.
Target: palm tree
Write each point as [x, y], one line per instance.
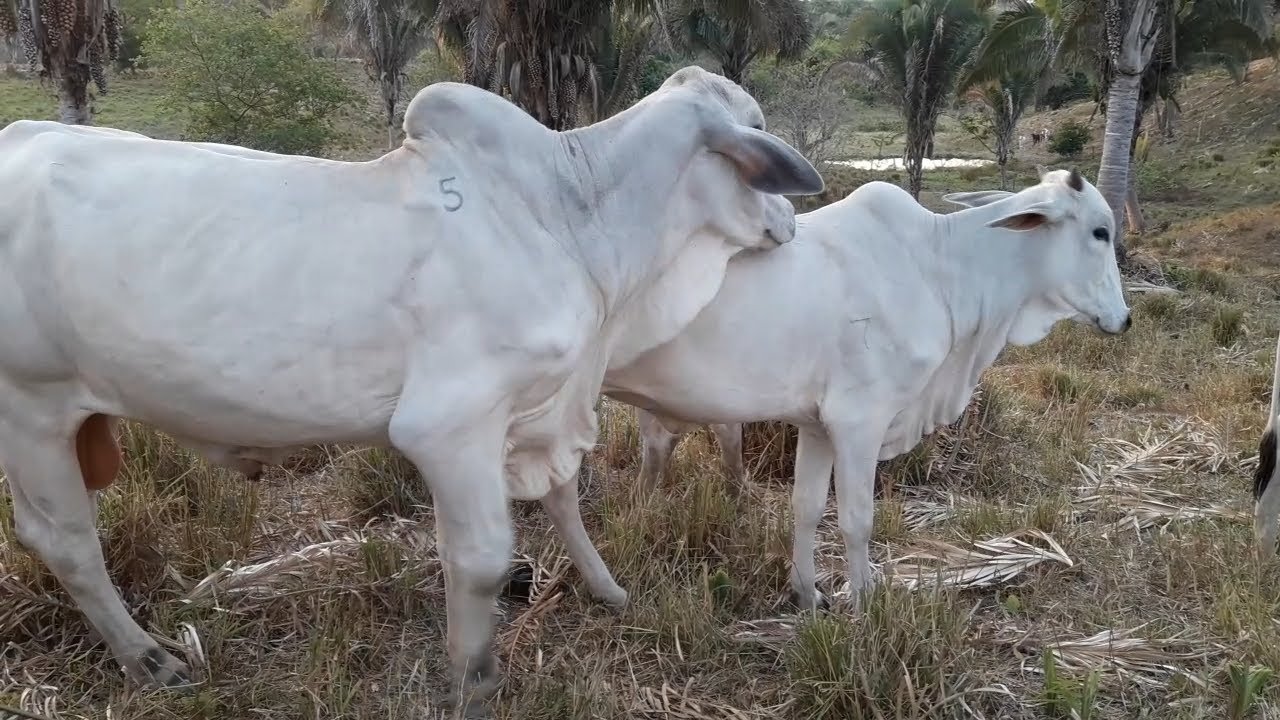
[736, 32]
[546, 55]
[1191, 34]
[1132, 35]
[390, 33]
[453, 23]
[1201, 33]
[1010, 67]
[916, 49]
[622, 46]
[68, 41]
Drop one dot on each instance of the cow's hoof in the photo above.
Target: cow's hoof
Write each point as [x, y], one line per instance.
[474, 688]
[810, 602]
[615, 598]
[158, 669]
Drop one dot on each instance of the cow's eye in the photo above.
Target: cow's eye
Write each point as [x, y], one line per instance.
[1102, 234]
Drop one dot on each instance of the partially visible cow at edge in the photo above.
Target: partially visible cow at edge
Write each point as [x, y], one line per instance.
[458, 298]
[1266, 486]
[870, 330]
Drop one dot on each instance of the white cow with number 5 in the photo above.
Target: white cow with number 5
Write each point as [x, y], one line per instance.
[459, 298]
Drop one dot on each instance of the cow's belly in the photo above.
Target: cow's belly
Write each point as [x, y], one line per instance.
[716, 392]
[258, 399]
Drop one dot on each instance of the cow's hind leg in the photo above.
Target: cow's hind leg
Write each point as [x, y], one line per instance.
[657, 443]
[562, 505]
[460, 455]
[53, 517]
[730, 439]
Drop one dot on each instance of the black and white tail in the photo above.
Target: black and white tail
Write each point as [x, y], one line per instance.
[1266, 486]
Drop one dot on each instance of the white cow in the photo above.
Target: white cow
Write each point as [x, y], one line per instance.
[1266, 487]
[457, 298]
[870, 330]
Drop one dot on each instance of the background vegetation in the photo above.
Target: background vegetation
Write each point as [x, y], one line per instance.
[1120, 464]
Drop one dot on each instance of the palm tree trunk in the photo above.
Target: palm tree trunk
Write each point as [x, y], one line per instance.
[918, 140]
[1169, 125]
[1132, 208]
[73, 95]
[1113, 174]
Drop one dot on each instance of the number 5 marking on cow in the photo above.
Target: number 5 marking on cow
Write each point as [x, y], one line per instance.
[447, 191]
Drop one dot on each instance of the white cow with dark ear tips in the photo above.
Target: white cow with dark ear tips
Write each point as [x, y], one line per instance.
[458, 298]
[870, 330]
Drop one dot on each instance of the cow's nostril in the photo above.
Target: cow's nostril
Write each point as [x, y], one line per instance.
[1128, 321]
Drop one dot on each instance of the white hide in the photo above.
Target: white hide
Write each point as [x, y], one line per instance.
[871, 329]
[1266, 477]
[457, 298]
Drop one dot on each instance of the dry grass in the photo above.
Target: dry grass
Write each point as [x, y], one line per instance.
[1090, 508]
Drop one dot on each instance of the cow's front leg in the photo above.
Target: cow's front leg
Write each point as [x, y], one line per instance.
[814, 459]
[562, 505]
[460, 455]
[857, 445]
[54, 518]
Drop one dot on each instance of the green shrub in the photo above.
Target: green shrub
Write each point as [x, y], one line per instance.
[244, 77]
[1069, 139]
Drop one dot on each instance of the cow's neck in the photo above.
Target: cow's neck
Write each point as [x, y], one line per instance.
[628, 171]
[989, 282]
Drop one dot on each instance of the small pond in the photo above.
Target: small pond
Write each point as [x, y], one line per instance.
[895, 163]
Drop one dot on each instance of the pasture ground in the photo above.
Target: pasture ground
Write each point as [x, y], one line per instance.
[1121, 465]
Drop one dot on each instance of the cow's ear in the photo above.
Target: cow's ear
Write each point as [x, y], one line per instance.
[977, 198]
[1024, 217]
[764, 161]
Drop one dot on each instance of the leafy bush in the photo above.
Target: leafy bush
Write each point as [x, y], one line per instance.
[1069, 139]
[243, 77]
[136, 13]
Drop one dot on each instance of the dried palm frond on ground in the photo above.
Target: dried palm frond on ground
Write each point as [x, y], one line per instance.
[1186, 448]
[1118, 652]
[1125, 487]
[302, 565]
[1141, 507]
[673, 703]
[920, 511]
[772, 633]
[982, 564]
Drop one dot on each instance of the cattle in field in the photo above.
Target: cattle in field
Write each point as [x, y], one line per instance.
[870, 330]
[1266, 487]
[457, 298]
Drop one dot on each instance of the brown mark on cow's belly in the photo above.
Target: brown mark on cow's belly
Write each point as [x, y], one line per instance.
[98, 452]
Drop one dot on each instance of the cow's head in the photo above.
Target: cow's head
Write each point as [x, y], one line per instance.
[740, 179]
[1069, 251]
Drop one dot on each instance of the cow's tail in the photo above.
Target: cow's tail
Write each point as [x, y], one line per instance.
[1266, 487]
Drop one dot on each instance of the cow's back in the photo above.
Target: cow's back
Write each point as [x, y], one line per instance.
[264, 291]
[843, 308]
